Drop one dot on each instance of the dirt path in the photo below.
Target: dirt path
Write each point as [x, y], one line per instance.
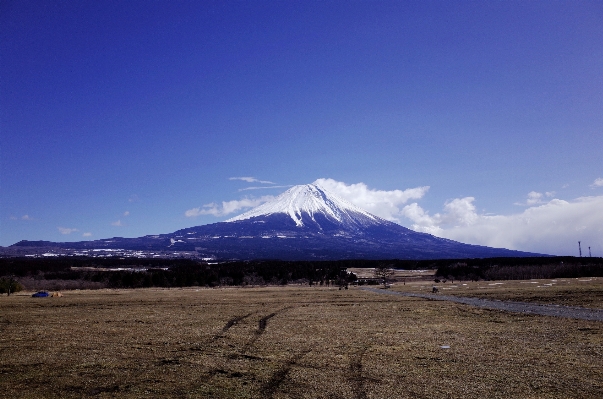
[519, 307]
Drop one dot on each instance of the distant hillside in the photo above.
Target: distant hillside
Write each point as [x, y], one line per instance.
[304, 223]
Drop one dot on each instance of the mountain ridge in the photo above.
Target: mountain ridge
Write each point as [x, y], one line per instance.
[306, 222]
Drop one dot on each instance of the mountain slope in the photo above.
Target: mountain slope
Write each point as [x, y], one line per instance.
[306, 222]
[305, 202]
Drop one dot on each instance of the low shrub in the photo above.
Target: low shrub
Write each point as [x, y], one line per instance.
[8, 286]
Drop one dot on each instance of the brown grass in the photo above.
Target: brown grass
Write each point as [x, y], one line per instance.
[288, 343]
[585, 292]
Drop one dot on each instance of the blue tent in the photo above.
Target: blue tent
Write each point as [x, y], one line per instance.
[40, 294]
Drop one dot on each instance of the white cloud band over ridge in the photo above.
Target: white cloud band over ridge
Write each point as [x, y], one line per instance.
[385, 204]
[552, 228]
[66, 230]
[547, 225]
[262, 187]
[250, 179]
[227, 207]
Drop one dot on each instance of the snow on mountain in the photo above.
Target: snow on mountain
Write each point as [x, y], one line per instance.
[306, 222]
[309, 200]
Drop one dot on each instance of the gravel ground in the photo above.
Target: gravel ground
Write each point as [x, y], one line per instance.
[519, 307]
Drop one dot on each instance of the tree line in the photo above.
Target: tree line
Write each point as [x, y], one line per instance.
[520, 268]
[105, 272]
[86, 272]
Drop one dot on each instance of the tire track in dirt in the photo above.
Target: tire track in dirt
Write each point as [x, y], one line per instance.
[212, 372]
[243, 353]
[231, 323]
[204, 345]
[262, 324]
[355, 377]
[278, 377]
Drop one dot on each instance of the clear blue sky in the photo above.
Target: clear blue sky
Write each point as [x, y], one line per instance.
[117, 117]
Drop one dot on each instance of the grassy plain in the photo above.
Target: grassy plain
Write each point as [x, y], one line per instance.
[290, 342]
[585, 291]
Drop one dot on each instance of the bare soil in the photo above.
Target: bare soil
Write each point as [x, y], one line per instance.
[292, 342]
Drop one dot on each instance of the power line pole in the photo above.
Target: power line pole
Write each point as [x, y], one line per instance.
[580, 248]
[589, 255]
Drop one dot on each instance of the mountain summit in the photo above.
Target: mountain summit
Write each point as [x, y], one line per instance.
[305, 203]
[306, 222]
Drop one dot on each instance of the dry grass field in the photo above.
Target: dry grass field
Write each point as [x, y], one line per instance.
[291, 342]
[585, 292]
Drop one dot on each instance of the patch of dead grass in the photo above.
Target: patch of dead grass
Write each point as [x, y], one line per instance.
[318, 343]
[584, 292]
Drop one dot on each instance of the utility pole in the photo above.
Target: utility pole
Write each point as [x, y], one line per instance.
[589, 255]
[580, 248]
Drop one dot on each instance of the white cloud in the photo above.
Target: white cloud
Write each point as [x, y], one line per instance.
[66, 230]
[194, 212]
[385, 204]
[535, 198]
[597, 183]
[251, 180]
[459, 211]
[127, 213]
[550, 226]
[133, 198]
[87, 235]
[117, 223]
[262, 188]
[24, 217]
[227, 207]
[554, 227]
[421, 219]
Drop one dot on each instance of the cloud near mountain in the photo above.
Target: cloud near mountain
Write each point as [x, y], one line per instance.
[385, 204]
[554, 227]
[547, 225]
[66, 230]
[227, 207]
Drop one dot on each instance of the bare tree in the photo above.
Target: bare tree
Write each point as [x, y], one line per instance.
[384, 272]
[10, 285]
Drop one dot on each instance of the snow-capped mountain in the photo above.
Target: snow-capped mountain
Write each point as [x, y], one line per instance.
[305, 222]
[306, 202]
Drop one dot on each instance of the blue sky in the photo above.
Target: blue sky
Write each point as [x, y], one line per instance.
[121, 118]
